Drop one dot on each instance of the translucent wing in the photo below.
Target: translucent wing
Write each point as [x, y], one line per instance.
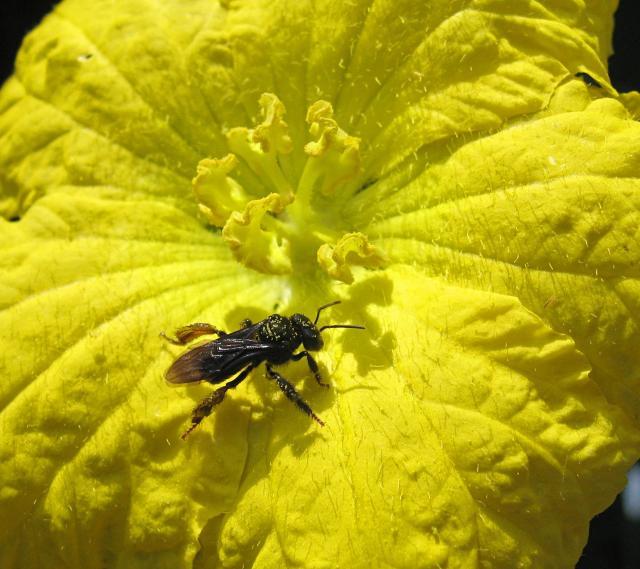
[218, 360]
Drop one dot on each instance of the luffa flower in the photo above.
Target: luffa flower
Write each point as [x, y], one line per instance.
[442, 167]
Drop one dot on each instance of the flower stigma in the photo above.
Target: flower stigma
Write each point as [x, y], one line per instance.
[273, 224]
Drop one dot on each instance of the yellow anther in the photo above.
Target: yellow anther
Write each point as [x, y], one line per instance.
[351, 249]
[255, 229]
[218, 195]
[261, 147]
[273, 133]
[254, 239]
[335, 156]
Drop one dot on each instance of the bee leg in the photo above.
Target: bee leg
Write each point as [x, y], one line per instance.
[313, 365]
[205, 407]
[189, 332]
[246, 323]
[292, 394]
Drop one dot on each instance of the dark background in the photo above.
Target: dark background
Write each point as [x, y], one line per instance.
[614, 541]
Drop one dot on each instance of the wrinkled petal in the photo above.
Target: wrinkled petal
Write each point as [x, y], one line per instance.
[484, 399]
[461, 175]
[90, 445]
[549, 211]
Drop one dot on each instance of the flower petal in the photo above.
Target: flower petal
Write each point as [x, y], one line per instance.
[456, 427]
[462, 429]
[91, 462]
[548, 210]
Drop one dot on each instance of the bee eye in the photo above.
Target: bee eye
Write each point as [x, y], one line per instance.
[311, 339]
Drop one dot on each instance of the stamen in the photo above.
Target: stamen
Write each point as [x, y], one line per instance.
[334, 156]
[352, 249]
[218, 195]
[254, 239]
[259, 233]
[262, 146]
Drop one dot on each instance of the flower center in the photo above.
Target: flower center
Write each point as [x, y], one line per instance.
[272, 225]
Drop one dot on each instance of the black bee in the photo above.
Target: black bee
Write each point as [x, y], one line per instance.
[272, 340]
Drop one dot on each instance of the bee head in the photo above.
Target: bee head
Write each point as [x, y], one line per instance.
[310, 333]
[311, 339]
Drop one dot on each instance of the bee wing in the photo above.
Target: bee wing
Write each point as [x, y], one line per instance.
[246, 332]
[217, 360]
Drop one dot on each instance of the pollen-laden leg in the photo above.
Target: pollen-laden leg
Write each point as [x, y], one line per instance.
[292, 394]
[205, 407]
[189, 332]
[313, 366]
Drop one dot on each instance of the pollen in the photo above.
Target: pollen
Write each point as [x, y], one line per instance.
[279, 202]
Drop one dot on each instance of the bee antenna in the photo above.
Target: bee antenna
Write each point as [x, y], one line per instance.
[342, 326]
[323, 307]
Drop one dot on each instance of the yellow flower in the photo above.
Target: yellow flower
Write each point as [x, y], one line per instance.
[444, 170]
